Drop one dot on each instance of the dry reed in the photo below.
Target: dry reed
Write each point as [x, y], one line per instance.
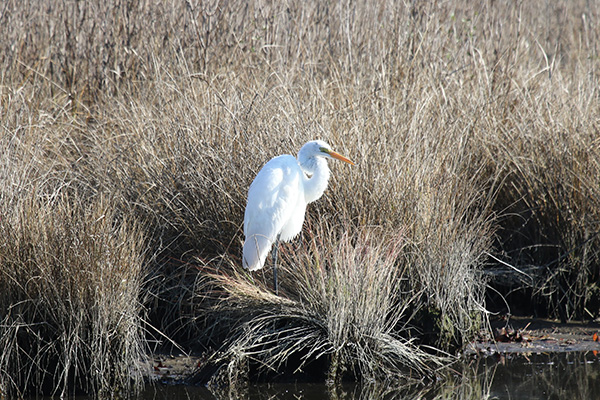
[344, 310]
[474, 128]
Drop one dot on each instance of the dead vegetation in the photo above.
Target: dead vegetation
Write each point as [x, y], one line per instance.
[132, 130]
[344, 311]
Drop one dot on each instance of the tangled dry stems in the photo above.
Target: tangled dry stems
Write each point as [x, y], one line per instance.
[474, 130]
[70, 283]
[346, 305]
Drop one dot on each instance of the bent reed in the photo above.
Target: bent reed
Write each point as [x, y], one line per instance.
[131, 132]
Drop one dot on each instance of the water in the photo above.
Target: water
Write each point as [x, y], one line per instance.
[569, 376]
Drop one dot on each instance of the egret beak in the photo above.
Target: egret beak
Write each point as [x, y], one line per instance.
[338, 156]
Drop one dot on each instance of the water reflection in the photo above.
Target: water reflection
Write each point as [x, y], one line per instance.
[543, 376]
[569, 376]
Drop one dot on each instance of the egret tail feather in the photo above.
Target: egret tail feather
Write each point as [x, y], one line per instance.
[256, 249]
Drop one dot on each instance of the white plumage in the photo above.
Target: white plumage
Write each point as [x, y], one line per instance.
[278, 197]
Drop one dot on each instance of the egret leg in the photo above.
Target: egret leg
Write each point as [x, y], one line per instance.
[276, 247]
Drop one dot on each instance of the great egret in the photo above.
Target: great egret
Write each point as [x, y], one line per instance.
[277, 200]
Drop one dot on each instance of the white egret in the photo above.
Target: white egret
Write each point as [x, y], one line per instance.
[277, 200]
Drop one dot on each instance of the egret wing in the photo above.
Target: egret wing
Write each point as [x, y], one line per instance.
[272, 198]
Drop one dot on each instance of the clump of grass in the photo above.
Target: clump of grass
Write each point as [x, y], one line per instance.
[550, 202]
[70, 293]
[545, 147]
[345, 306]
[70, 282]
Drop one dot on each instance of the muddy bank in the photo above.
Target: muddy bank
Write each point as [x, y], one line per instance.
[528, 335]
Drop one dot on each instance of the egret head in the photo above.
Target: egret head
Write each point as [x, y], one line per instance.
[318, 148]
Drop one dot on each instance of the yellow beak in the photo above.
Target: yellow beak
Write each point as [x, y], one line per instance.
[339, 157]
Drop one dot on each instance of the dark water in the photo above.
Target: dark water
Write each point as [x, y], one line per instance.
[570, 376]
[538, 376]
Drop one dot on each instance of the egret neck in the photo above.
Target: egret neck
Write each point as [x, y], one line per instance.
[318, 170]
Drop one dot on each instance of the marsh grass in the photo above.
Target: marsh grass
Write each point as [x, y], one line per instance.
[70, 279]
[474, 130]
[345, 306]
[550, 202]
